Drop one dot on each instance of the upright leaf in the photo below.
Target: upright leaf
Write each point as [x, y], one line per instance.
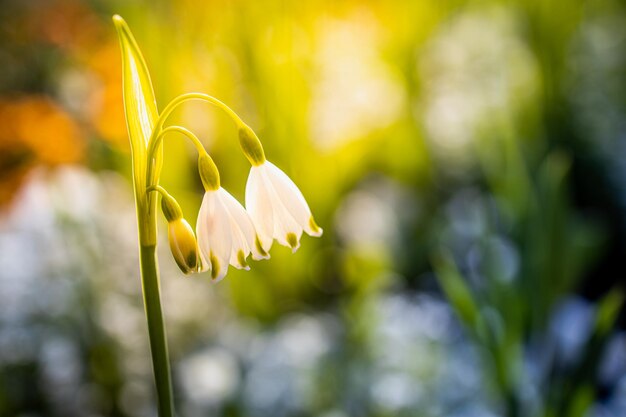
[139, 101]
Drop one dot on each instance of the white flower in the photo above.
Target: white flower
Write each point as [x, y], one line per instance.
[277, 207]
[226, 234]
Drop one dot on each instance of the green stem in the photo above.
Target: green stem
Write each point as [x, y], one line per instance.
[196, 96]
[156, 329]
[199, 146]
[158, 125]
[155, 144]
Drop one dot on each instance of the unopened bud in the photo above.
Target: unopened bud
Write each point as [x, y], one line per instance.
[170, 207]
[209, 174]
[183, 245]
[251, 145]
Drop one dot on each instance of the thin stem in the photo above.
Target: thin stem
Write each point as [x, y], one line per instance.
[158, 126]
[158, 189]
[196, 96]
[156, 329]
[150, 286]
[156, 143]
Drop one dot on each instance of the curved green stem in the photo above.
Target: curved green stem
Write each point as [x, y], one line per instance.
[158, 189]
[155, 144]
[158, 130]
[195, 96]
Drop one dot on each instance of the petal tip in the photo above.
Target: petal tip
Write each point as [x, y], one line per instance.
[314, 229]
[217, 279]
[293, 242]
[262, 252]
[217, 272]
[241, 261]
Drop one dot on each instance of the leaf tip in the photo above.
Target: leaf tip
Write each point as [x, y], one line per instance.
[120, 25]
[118, 20]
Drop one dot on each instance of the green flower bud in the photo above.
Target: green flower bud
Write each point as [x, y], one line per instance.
[209, 174]
[183, 245]
[170, 207]
[251, 145]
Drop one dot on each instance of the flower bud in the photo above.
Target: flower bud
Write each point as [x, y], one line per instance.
[251, 145]
[183, 245]
[170, 207]
[209, 174]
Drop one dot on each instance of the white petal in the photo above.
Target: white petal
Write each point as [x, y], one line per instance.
[289, 194]
[202, 232]
[214, 223]
[239, 248]
[259, 206]
[292, 198]
[244, 228]
[286, 230]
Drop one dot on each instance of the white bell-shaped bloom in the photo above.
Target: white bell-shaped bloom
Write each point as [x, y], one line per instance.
[277, 207]
[226, 234]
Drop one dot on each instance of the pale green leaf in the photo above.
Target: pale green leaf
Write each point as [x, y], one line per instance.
[139, 101]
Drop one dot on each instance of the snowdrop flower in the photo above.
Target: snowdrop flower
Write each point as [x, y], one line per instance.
[226, 234]
[276, 205]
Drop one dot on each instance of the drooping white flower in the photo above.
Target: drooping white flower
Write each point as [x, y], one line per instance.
[277, 207]
[226, 234]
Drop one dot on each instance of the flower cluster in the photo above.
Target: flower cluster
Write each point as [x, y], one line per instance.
[275, 209]
[227, 232]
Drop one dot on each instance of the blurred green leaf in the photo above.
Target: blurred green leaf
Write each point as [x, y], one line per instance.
[573, 393]
[456, 289]
[608, 310]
